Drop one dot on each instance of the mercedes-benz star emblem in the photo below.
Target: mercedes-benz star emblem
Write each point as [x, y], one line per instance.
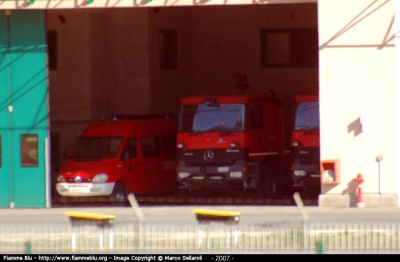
[78, 179]
[208, 155]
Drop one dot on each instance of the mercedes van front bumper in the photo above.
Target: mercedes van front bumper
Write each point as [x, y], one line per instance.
[85, 189]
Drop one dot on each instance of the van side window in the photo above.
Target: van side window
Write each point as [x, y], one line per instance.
[130, 149]
[151, 146]
[169, 145]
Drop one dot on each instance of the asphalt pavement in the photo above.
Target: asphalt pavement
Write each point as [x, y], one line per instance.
[254, 214]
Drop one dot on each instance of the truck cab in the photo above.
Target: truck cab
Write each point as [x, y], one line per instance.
[305, 144]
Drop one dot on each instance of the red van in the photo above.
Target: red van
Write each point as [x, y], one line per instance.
[115, 158]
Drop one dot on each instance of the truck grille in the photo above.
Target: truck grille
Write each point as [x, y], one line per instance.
[212, 157]
[307, 155]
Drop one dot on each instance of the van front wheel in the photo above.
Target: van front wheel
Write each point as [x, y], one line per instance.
[119, 195]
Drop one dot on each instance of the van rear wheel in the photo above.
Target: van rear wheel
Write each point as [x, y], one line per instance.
[119, 195]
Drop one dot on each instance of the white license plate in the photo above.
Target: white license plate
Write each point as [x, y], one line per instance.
[223, 169]
[79, 189]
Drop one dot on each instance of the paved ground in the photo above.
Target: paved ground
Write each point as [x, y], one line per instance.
[182, 214]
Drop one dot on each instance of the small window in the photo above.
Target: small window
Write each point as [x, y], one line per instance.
[289, 48]
[151, 146]
[256, 117]
[169, 145]
[130, 149]
[29, 150]
[168, 49]
[52, 49]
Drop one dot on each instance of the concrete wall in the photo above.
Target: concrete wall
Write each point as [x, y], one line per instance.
[215, 42]
[167, 86]
[357, 77]
[119, 62]
[69, 85]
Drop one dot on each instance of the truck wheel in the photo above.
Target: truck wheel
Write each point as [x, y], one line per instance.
[119, 195]
[267, 188]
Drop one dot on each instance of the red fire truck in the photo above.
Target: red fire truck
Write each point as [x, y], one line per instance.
[305, 144]
[234, 140]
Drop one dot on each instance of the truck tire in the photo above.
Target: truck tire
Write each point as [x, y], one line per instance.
[269, 184]
[119, 195]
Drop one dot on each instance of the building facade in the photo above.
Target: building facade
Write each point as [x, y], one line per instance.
[132, 58]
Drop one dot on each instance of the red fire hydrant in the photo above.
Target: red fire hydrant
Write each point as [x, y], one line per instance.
[359, 180]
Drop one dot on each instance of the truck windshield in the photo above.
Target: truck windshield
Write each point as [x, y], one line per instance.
[215, 117]
[97, 147]
[307, 116]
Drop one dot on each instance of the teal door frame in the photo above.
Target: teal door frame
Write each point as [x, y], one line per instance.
[24, 127]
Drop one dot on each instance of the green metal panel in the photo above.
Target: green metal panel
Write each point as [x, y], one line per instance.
[27, 81]
[29, 100]
[4, 115]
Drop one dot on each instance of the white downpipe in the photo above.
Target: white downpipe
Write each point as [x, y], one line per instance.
[47, 171]
[379, 158]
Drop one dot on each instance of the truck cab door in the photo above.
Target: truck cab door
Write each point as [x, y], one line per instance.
[262, 126]
[130, 166]
[256, 128]
[152, 161]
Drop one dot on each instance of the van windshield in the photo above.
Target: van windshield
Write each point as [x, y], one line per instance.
[212, 118]
[97, 147]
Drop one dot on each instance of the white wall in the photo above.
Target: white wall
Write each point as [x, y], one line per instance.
[357, 76]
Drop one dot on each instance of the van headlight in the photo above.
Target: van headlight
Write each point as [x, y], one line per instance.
[236, 174]
[183, 174]
[60, 179]
[100, 178]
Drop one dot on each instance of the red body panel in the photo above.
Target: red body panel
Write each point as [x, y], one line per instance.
[306, 138]
[246, 98]
[87, 169]
[306, 97]
[212, 140]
